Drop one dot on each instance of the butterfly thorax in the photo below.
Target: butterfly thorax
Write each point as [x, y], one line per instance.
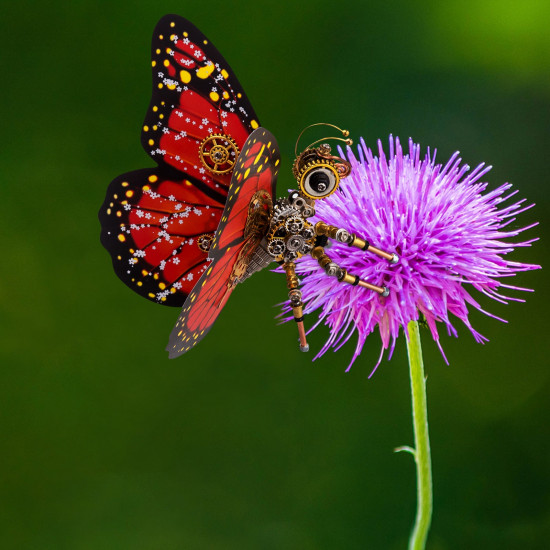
[290, 235]
[282, 237]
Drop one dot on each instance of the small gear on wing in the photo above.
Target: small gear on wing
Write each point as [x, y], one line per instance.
[204, 241]
[218, 153]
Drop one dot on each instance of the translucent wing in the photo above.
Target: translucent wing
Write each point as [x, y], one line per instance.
[150, 218]
[256, 169]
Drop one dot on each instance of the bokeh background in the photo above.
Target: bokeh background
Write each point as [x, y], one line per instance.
[243, 443]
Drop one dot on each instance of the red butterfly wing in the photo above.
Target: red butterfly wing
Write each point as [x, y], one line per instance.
[150, 218]
[195, 95]
[150, 224]
[256, 169]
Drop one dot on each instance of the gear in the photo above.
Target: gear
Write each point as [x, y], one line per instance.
[295, 242]
[294, 224]
[276, 247]
[218, 153]
[204, 241]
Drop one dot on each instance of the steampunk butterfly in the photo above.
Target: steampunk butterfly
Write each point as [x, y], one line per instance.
[185, 232]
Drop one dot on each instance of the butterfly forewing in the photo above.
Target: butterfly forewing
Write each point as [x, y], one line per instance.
[256, 169]
[195, 95]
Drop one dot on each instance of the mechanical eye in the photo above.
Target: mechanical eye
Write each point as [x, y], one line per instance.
[319, 180]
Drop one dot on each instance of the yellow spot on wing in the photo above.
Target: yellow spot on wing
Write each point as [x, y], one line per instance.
[166, 63]
[206, 71]
[247, 172]
[214, 96]
[121, 238]
[254, 124]
[185, 76]
[225, 74]
[152, 178]
[259, 154]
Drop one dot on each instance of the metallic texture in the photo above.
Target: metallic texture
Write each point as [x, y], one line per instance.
[260, 210]
[218, 153]
[204, 241]
[290, 235]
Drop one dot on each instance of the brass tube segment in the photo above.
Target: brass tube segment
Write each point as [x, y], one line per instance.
[295, 296]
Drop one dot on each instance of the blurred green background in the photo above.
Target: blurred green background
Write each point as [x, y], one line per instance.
[244, 443]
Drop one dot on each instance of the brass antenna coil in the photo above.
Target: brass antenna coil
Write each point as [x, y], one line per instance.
[345, 133]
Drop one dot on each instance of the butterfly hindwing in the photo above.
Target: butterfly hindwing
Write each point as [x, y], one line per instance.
[256, 169]
[150, 220]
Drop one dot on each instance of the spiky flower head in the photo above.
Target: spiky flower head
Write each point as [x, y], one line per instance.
[447, 231]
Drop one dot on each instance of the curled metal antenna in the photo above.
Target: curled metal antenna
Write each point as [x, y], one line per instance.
[345, 133]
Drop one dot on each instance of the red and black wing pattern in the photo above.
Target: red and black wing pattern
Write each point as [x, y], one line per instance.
[256, 169]
[150, 218]
[195, 95]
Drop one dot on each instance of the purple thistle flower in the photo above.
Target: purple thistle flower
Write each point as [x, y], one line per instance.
[448, 234]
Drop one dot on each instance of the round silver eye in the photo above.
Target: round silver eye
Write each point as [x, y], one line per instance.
[320, 182]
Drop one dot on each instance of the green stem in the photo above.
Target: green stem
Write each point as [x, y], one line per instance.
[422, 457]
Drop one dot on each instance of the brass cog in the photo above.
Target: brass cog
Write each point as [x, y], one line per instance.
[218, 153]
[204, 241]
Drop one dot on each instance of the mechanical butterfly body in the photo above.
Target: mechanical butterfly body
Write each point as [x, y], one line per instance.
[213, 193]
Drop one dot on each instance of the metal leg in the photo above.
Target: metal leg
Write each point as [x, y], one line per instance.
[295, 296]
[343, 236]
[334, 270]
